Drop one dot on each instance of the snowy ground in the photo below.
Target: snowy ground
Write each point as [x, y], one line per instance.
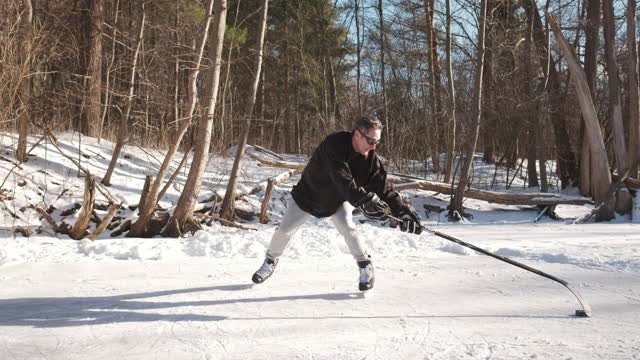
[190, 298]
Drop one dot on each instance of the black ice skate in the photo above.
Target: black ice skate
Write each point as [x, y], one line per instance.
[265, 271]
[367, 277]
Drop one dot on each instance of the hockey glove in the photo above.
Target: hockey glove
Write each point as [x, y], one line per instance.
[374, 208]
[411, 221]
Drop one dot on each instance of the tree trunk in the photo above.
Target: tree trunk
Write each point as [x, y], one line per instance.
[26, 29]
[434, 81]
[144, 195]
[107, 86]
[488, 108]
[94, 68]
[79, 228]
[179, 222]
[456, 200]
[634, 107]
[567, 166]
[532, 115]
[222, 136]
[105, 222]
[289, 136]
[592, 40]
[532, 171]
[176, 71]
[601, 178]
[333, 92]
[356, 9]
[123, 131]
[385, 103]
[139, 228]
[226, 212]
[451, 126]
[615, 107]
[173, 176]
[542, 159]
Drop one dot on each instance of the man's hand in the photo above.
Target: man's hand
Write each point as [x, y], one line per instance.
[411, 221]
[374, 208]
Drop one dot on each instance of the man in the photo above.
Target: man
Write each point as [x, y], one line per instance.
[343, 172]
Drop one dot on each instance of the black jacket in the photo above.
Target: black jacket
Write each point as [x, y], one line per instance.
[337, 173]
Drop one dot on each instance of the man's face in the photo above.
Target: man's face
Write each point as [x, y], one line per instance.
[363, 142]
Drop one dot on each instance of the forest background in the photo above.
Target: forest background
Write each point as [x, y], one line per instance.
[549, 89]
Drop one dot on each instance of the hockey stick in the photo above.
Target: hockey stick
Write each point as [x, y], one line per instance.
[584, 312]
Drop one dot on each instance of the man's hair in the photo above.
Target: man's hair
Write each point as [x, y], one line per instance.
[368, 122]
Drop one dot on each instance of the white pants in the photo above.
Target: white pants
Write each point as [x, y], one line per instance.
[295, 217]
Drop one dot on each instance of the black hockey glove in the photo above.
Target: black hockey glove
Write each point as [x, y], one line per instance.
[411, 221]
[374, 208]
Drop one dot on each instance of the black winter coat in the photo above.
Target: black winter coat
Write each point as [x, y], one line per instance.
[337, 173]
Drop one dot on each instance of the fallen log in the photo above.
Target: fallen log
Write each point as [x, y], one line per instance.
[276, 163]
[494, 196]
[266, 151]
[278, 179]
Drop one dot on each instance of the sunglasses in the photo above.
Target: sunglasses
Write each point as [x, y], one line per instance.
[370, 141]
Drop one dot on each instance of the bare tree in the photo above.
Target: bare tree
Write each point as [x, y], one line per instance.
[181, 218]
[107, 86]
[356, 9]
[228, 203]
[223, 108]
[26, 31]
[455, 206]
[532, 115]
[434, 82]
[140, 227]
[592, 41]
[123, 131]
[385, 102]
[451, 123]
[488, 107]
[615, 107]
[566, 159]
[634, 107]
[94, 68]
[600, 176]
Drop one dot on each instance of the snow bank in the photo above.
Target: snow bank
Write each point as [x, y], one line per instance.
[454, 248]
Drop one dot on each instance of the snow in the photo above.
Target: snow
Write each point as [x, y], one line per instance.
[190, 298]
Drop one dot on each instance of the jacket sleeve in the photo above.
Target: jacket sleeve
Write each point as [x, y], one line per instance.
[335, 162]
[379, 185]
